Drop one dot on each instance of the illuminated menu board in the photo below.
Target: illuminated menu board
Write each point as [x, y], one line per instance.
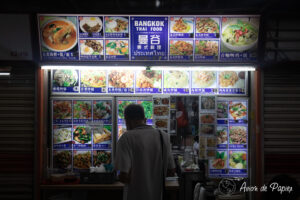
[207, 38]
[81, 133]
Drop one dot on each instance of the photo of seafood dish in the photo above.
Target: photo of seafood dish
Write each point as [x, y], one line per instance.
[59, 34]
[62, 134]
[222, 110]
[219, 162]
[237, 135]
[161, 123]
[204, 79]
[91, 47]
[62, 109]
[208, 102]
[181, 47]
[238, 159]
[222, 135]
[62, 159]
[228, 78]
[237, 111]
[207, 48]
[182, 25]
[239, 35]
[65, 78]
[101, 157]
[90, 24]
[103, 135]
[207, 118]
[82, 135]
[176, 79]
[82, 159]
[207, 25]
[148, 79]
[93, 78]
[117, 47]
[120, 79]
[102, 110]
[207, 129]
[82, 109]
[161, 111]
[116, 25]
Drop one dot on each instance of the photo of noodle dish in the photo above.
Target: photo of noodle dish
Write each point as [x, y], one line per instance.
[181, 47]
[59, 34]
[207, 25]
[91, 47]
[176, 79]
[232, 79]
[93, 78]
[90, 24]
[237, 135]
[204, 79]
[116, 25]
[148, 79]
[181, 25]
[207, 48]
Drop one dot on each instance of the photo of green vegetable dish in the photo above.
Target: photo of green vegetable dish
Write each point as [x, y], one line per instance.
[240, 34]
[148, 108]
[82, 135]
[121, 108]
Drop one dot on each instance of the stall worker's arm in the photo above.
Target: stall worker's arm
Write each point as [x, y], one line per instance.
[123, 159]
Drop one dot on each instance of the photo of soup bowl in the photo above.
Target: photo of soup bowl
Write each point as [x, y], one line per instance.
[244, 41]
[59, 34]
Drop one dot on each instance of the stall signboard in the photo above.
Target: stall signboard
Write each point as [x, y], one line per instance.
[80, 126]
[230, 158]
[149, 38]
[122, 81]
[98, 38]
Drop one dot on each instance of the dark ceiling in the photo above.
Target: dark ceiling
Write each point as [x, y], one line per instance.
[149, 6]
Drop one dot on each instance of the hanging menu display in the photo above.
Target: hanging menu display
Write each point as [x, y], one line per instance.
[81, 128]
[161, 112]
[120, 81]
[231, 139]
[206, 38]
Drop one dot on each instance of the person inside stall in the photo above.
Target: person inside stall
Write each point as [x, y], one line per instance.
[143, 157]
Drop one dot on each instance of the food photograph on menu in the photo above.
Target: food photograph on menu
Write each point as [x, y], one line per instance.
[219, 161]
[176, 81]
[238, 112]
[82, 159]
[116, 27]
[204, 82]
[207, 27]
[58, 36]
[82, 137]
[101, 157]
[206, 50]
[62, 159]
[65, 81]
[148, 81]
[121, 107]
[82, 111]
[62, 136]
[92, 81]
[91, 49]
[62, 111]
[120, 81]
[238, 135]
[102, 137]
[181, 27]
[232, 82]
[102, 111]
[181, 50]
[239, 38]
[238, 159]
[208, 104]
[116, 50]
[148, 109]
[222, 136]
[90, 26]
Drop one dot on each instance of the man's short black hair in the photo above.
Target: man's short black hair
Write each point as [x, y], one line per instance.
[134, 112]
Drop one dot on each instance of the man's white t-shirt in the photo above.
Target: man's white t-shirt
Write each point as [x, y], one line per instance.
[139, 154]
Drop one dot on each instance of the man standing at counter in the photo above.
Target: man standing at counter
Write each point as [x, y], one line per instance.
[143, 157]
